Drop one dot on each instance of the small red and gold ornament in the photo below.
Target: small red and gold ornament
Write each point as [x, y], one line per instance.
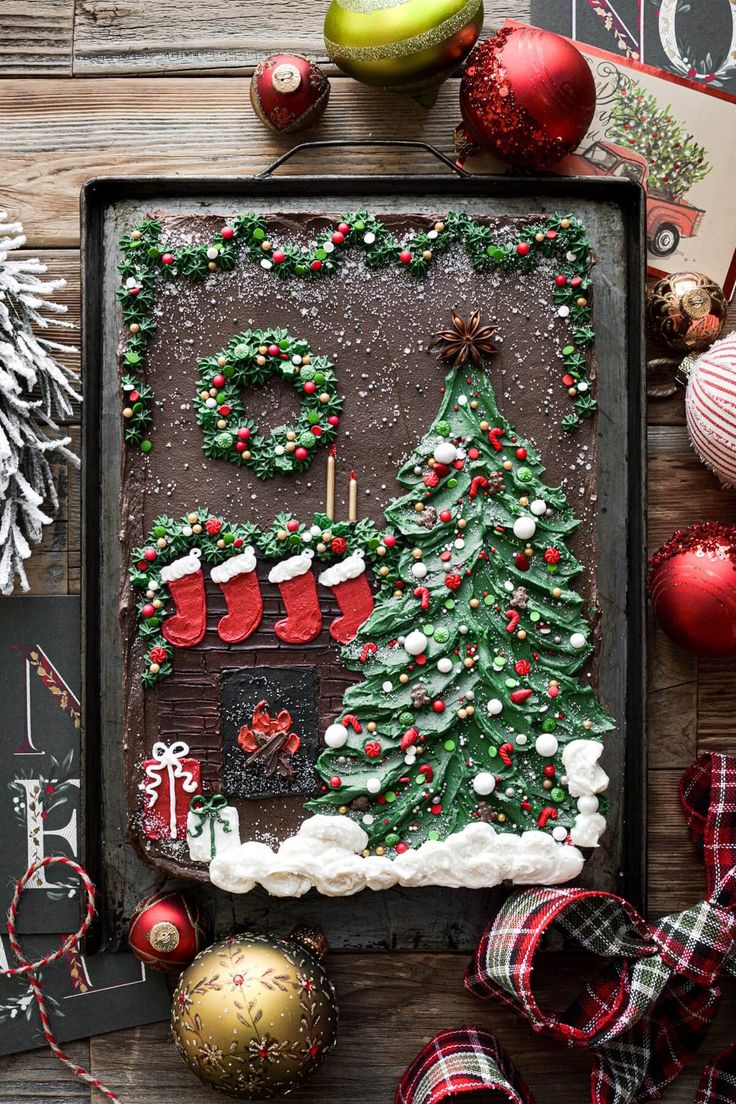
[288, 92]
[527, 96]
[253, 1017]
[692, 583]
[167, 931]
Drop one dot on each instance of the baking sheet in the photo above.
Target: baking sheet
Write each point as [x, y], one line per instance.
[405, 919]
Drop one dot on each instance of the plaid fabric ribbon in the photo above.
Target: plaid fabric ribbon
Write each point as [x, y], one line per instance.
[647, 1012]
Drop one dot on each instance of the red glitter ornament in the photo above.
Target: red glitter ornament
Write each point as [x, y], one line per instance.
[288, 92]
[692, 584]
[167, 931]
[527, 96]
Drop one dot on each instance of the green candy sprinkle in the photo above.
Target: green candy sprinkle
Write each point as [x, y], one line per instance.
[433, 835]
[449, 745]
[549, 725]
[390, 797]
[489, 600]
[557, 794]
[441, 635]
[493, 751]
[406, 718]
[392, 839]
[449, 603]
[452, 483]
[145, 446]
[525, 475]
[428, 630]
[534, 616]
[510, 683]
[443, 429]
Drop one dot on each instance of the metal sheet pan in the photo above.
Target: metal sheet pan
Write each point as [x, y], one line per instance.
[613, 211]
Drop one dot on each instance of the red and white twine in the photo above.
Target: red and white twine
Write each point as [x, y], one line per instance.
[30, 969]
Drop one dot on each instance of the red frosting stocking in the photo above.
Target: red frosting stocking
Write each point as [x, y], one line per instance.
[347, 581]
[186, 586]
[294, 578]
[239, 583]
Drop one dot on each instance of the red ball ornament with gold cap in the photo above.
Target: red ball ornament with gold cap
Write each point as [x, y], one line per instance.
[527, 96]
[692, 584]
[288, 92]
[167, 931]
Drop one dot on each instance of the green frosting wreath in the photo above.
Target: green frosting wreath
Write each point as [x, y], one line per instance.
[250, 359]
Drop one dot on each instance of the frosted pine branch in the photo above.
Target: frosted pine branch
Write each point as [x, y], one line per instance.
[35, 391]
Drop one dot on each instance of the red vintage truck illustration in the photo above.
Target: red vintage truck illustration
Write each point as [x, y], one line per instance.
[668, 219]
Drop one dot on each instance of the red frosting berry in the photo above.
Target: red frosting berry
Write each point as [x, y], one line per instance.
[310, 387]
[338, 237]
[521, 454]
[225, 410]
[519, 696]
[522, 249]
[300, 453]
[227, 232]
[344, 228]
[167, 258]
[438, 706]
[316, 265]
[333, 420]
[243, 433]
[316, 431]
[405, 256]
[402, 847]
[568, 380]
[158, 654]
[238, 542]
[134, 396]
[551, 555]
[453, 581]
[338, 545]
[292, 525]
[148, 610]
[336, 782]
[213, 526]
[218, 380]
[372, 749]
[550, 771]
[240, 446]
[446, 515]
[389, 540]
[150, 554]
[273, 350]
[561, 281]
[576, 281]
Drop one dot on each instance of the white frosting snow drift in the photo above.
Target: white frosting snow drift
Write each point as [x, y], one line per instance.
[325, 855]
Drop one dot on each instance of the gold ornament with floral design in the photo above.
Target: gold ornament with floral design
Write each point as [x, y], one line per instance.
[253, 1017]
[466, 340]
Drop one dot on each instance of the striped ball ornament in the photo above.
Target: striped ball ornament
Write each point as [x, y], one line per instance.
[711, 408]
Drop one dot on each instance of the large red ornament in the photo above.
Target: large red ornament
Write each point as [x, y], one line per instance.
[692, 584]
[167, 931]
[288, 92]
[527, 96]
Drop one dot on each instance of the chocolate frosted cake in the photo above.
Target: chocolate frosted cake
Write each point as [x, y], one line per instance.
[359, 593]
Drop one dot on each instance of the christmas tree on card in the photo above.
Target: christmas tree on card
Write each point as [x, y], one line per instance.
[471, 706]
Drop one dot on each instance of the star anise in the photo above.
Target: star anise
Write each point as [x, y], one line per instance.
[466, 340]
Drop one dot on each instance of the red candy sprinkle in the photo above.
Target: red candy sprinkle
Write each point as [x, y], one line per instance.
[225, 410]
[150, 554]
[316, 265]
[238, 542]
[217, 381]
[227, 232]
[389, 540]
[300, 453]
[438, 706]
[167, 258]
[148, 610]
[431, 479]
[316, 431]
[405, 256]
[240, 446]
[333, 420]
[338, 237]
[134, 396]
[344, 228]
[278, 256]
[244, 433]
[336, 782]
[436, 810]
[568, 380]
[427, 771]
[576, 281]
[553, 691]
[521, 561]
[551, 234]
[522, 249]
[310, 387]
[402, 847]
[157, 655]
[410, 737]
[550, 771]
[561, 281]
[292, 525]
[521, 454]
[446, 515]
[273, 350]
[519, 696]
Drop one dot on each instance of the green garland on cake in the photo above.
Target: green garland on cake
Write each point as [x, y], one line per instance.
[218, 538]
[146, 259]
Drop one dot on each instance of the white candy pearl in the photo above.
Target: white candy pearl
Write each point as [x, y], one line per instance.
[373, 785]
[484, 783]
[525, 527]
[213, 253]
[419, 570]
[415, 643]
[546, 745]
[588, 804]
[336, 736]
[559, 833]
[387, 687]
[494, 707]
[444, 665]
[538, 507]
[577, 641]
[445, 452]
[521, 739]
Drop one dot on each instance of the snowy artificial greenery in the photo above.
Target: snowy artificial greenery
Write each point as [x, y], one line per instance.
[35, 392]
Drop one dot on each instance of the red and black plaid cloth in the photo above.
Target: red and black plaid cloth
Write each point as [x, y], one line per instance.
[648, 1011]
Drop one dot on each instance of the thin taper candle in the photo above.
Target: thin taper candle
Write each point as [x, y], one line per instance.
[330, 492]
[353, 497]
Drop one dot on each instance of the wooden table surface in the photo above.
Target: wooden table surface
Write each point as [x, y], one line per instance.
[91, 87]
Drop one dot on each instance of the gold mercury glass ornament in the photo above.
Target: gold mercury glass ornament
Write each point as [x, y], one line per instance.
[253, 1017]
[686, 312]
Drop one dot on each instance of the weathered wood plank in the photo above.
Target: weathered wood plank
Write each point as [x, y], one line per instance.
[676, 874]
[390, 1006]
[36, 37]
[187, 36]
[37, 1075]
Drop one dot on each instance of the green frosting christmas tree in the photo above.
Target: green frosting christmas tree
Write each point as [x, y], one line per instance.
[470, 692]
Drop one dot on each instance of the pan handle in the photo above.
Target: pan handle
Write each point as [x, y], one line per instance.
[401, 143]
